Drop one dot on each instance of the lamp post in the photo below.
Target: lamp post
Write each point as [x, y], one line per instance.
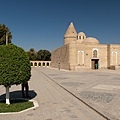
[6, 38]
[7, 88]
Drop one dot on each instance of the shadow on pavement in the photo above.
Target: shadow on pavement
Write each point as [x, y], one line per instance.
[18, 94]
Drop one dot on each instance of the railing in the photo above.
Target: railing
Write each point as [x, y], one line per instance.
[40, 63]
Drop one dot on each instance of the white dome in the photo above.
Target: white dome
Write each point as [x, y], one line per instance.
[81, 33]
[91, 40]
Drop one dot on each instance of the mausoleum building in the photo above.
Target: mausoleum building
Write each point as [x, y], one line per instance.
[81, 52]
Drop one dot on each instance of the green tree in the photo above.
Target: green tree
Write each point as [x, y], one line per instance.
[15, 67]
[43, 55]
[4, 32]
[32, 54]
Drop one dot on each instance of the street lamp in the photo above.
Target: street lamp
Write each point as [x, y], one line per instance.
[6, 38]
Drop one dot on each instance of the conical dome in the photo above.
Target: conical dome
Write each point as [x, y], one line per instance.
[71, 32]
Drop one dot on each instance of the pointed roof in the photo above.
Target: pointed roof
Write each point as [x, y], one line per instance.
[71, 32]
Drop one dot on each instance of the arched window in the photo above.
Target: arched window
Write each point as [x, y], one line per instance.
[79, 37]
[114, 58]
[47, 63]
[39, 64]
[43, 64]
[80, 57]
[95, 53]
[35, 64]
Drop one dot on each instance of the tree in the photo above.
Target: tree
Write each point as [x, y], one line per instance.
[43, 55]
[32, 54]
[3, 32]
[15, 67]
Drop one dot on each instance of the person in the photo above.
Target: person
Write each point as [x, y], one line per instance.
[58, 66]
[96, 66]
[26, 86]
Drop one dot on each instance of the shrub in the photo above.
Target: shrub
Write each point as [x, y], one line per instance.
[15, 66]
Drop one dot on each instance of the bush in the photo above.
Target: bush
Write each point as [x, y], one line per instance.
[15, 66]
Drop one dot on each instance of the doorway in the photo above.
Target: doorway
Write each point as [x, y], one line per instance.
[94, 63]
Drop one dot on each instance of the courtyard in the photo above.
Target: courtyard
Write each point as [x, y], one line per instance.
[61, 93]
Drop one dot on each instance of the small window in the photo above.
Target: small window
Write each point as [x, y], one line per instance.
[95, 53]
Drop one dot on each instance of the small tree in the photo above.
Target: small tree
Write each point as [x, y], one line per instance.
[15, 67]
[32, 54]
[3, 32]
[44, 55]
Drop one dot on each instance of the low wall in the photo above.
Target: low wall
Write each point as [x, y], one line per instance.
[40, 63]
[113, 67]
[65, 66]
[78, 67]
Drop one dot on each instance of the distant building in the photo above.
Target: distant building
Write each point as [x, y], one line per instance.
[82, 52]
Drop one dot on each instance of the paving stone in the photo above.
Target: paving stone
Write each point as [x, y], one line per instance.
[57, 104]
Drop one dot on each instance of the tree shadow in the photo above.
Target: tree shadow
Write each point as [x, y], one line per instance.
[18, 94]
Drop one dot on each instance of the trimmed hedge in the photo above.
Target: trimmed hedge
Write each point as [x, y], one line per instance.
[15, 67]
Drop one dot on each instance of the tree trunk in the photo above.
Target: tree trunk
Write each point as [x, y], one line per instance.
[7, 95]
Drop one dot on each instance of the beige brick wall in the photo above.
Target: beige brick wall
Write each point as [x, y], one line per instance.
[114, 48]
[88, 54]
[102, 51]
[68, 57]
[61, 55]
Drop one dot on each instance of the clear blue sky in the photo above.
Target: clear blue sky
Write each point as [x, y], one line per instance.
[41, 24]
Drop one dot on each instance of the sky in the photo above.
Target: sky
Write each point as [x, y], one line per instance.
[41, 24]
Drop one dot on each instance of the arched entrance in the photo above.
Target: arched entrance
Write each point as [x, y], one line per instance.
[94, 63]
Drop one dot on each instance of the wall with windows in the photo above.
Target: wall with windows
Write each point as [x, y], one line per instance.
[114, 54]
[86, 53]
[82, 52]
[76, 56]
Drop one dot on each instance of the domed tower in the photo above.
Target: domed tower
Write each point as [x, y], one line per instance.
[70, 35]
[81, 36]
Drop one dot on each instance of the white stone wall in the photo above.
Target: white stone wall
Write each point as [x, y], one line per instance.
[40, 63]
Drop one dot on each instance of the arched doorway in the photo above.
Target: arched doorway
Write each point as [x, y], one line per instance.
[35, 64]
[31, 64]
[43, 64]
[47, 63]
[39, 64]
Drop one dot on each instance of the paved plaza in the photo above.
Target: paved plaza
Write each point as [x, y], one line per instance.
[60, 93]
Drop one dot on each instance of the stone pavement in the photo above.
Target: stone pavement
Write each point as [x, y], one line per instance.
[98, 88]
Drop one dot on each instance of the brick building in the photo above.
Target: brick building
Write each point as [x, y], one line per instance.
[82, 52]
